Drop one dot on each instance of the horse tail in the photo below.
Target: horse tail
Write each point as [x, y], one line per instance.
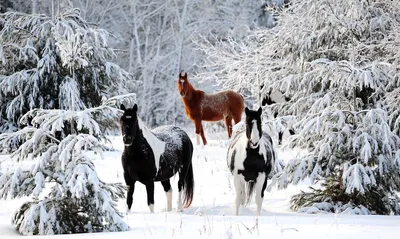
[250, 191]
[188, 177]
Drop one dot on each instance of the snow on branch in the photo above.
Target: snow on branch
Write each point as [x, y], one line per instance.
[60, 62]
[78, 201]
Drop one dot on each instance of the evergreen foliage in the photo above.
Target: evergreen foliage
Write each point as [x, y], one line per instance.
[54, 63]
[68, 196]
[337, 61]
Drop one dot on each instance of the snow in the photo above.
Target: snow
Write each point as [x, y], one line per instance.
[212, 212]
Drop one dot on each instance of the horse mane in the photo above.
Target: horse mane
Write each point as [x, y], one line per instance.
[155, 143]
[194, 89]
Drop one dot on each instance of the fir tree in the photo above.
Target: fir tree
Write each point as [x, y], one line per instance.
[337, 61]
[75, 199]
[54, 63]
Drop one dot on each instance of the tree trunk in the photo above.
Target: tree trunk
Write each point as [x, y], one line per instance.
[34, 6]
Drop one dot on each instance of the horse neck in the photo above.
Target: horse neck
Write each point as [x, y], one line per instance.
[137, 143]
[192, 97]
[153, 142]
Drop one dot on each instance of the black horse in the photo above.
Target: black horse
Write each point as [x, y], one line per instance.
[156, 155]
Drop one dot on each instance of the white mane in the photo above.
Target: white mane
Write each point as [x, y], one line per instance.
[156, 144]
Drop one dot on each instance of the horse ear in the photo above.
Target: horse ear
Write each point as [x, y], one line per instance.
[247, 111]
[122, 107]
[259, 111]
[135, 108]
[185, 75]
[180, 74]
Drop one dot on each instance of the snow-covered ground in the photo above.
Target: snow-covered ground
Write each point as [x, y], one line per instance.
[212, 214]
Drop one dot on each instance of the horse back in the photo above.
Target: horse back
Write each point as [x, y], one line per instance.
[177, 143]
[222, 104]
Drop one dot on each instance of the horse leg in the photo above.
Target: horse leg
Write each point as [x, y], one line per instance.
[197, 124]
[240, 196]
[168, 191]
[150, 195]
[179, 207]
[131, 189]
[280, 135]
[237, 117]
[200, 131]
[228, 123]
[260, 188]
[129, 198]
[203, 137]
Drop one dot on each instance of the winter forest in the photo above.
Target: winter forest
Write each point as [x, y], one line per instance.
[326, 74]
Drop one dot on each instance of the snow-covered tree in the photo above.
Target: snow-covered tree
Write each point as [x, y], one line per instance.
[153, 39]
[337, 61]
[5, 5]
[67, 194]
[58, 62]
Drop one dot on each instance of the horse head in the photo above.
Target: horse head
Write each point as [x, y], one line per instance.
[253, 126]
[129, 124]
[183, 84]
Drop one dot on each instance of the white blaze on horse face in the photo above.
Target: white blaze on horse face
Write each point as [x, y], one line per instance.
[255, 135]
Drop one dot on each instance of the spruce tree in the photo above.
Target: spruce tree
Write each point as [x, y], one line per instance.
[67, 196]
[59, 62]
[337, 62]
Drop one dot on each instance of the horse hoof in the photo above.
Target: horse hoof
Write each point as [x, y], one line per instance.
[151, 207]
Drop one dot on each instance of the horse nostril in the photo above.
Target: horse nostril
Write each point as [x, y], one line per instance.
[182, 93]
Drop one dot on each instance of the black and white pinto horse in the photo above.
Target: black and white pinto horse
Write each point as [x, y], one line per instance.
[250, 157]
[271, 98]
[156, 155]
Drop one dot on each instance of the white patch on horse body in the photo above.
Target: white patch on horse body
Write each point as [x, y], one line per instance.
[128, 117]
[156, 144]
[240, 155]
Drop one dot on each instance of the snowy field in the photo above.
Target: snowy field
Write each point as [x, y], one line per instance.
[212, 213]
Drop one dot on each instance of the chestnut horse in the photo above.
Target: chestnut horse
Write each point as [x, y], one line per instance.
[200, 106]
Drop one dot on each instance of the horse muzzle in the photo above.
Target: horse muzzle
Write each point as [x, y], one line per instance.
[254, 145]
[127, 140]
